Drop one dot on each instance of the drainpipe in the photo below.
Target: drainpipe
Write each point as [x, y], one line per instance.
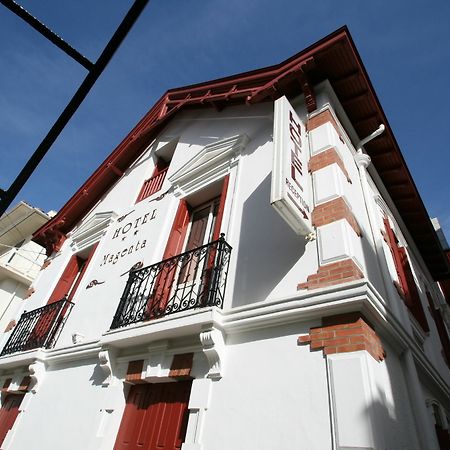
[367, 139]
[363, 161]
[414, 387]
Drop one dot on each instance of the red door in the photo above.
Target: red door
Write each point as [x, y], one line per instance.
[155, 417]
[8, 414]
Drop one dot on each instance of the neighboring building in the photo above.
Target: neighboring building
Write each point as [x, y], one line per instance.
[20, 259]
[180, 309]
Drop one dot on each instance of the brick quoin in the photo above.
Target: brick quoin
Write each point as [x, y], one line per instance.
[326, 158]
[333, 211]
[344, 333]
[331, 274]
[320, 119]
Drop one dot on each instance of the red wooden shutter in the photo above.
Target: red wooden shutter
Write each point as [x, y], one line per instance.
[67, 285]
[393, 245]
[223, 197]
[405, 277]
[177, 235]
[8, 413]
[155, 417]
[174, 246]
[67, 278]
[154, 183]
[47, 318]
[413, 301]
[82, 270]
[71, 277]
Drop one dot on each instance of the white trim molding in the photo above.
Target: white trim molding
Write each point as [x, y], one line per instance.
[91, 231]
[212, 163]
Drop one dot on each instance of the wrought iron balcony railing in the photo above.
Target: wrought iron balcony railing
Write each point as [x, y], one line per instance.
[39, 328]
[194, 279]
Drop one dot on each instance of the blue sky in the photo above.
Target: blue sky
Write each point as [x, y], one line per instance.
[404, 46]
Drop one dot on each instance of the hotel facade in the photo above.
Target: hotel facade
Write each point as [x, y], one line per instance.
[251, 268]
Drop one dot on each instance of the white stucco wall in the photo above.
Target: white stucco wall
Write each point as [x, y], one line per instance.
[273, 393]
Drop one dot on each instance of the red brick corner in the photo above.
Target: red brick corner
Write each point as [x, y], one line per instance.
[326, 158]
[332, 211]
[344, 333]
[331, 274]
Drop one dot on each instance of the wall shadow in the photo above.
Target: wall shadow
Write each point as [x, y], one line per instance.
[267, 249]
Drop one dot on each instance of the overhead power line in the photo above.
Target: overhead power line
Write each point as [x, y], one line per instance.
[94, 71]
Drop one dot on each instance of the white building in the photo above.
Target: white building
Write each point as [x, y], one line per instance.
[312, 323]
[20, 259]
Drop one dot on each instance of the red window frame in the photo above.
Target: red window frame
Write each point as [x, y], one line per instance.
[406, 280]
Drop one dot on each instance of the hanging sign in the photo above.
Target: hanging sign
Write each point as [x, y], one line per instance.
[290, 192]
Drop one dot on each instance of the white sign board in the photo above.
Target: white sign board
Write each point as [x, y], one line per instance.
[291, 191]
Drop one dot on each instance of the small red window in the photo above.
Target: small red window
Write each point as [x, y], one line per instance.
[155, 182]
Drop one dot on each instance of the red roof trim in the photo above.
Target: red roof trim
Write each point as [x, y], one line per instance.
[334, 58]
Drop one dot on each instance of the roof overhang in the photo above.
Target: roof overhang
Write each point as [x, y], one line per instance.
[334, 58]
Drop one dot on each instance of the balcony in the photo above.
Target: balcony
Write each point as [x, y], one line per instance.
[194, 279]
[21, 263]
[39, 328]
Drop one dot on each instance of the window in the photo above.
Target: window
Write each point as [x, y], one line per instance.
[406, 284]
[200, 232]
[155, 182]
[72, 275]
[188, 279]
[51, 318]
